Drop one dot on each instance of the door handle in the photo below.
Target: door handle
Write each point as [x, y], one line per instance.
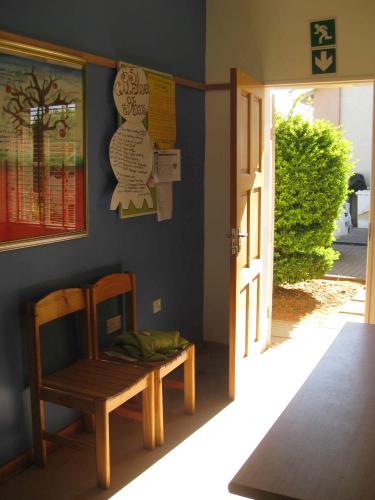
[238, 235]
[235, 236]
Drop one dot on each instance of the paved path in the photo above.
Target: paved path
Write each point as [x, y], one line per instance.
[352, 261]
[357, 236]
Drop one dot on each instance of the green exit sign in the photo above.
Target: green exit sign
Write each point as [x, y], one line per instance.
[323, 33]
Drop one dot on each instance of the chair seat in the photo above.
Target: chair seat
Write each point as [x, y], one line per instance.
[180, 355]
[96, 378]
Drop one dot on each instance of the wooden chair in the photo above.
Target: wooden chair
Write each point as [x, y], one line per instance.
[114, 285]
[92, 386]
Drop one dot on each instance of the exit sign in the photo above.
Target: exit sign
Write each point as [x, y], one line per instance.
[323, 46]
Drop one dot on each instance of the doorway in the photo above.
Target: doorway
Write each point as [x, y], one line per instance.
[337, 295]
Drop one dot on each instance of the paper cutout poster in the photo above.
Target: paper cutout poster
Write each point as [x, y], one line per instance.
[131, 93]
[146, 97]
[130, 154]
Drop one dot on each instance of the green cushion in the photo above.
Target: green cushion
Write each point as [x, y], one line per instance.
[150, 345]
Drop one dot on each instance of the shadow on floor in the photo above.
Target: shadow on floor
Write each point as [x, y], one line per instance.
[71, 474]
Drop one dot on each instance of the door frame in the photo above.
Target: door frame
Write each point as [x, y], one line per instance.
[370, 260]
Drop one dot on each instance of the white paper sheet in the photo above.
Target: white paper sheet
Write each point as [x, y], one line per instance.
[165, 200]
[167, 165]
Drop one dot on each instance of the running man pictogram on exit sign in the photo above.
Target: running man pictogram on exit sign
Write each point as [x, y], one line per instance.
[323, 33]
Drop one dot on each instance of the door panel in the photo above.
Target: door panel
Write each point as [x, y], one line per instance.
[243, 323]
[246, 266]
[255, 134]
[255, 206]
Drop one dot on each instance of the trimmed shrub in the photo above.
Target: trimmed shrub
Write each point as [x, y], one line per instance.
[312, 171]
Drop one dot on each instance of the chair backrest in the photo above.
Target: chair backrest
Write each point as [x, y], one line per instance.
[53, 306]
[108, 287]
[58, 304]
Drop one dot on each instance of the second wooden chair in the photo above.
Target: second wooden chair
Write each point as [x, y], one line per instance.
[118, 284]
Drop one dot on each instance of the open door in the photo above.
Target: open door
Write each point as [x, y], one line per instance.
[248, 309]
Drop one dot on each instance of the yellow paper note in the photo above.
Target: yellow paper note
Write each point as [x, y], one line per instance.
[162, 110]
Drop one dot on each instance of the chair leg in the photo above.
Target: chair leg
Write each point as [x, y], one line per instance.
[159, 418]
[148, 410]
[189, 381]
[102, 443]
[40, 455]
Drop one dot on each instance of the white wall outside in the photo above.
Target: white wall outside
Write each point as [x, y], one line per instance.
[327, 105]
[351, 108]
[356, 122]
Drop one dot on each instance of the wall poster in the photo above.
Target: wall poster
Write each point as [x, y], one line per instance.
[130, 154]
[130, 151]
[145, 97]
[42, 146]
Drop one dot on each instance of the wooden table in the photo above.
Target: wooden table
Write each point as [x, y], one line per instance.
[323, 444]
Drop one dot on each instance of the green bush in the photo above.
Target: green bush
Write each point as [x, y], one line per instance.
[312, 170]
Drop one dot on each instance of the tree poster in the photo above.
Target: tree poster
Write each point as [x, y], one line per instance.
[42, 174]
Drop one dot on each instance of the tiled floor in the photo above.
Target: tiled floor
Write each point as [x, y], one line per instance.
[201, 453]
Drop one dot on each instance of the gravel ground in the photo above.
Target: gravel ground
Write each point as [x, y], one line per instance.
[316, 297]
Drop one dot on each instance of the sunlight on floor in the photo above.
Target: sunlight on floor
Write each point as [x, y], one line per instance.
[202, 465]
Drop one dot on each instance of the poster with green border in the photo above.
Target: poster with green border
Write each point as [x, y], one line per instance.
[132, 211]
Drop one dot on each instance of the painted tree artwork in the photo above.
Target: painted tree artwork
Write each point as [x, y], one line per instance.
[42, 179]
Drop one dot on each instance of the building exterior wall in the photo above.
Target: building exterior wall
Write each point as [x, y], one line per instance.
[356, 122]
[327, 105]
[350, 108]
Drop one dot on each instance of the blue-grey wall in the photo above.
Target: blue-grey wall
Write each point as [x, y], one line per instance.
[167, 257]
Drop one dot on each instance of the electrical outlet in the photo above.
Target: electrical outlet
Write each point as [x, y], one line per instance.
[156, 305]
[113, 324]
